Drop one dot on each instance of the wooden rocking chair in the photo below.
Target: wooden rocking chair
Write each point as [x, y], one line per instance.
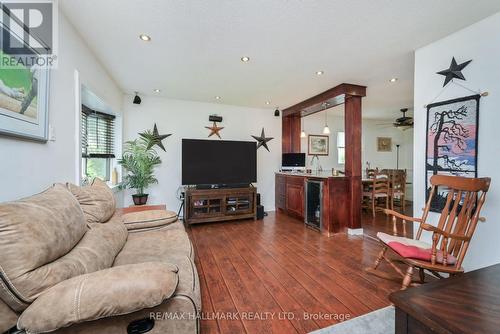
[450, 238]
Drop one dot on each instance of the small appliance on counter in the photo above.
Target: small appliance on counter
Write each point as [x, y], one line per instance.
[293, 162]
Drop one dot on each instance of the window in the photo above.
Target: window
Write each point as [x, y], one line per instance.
[341, 148]
[97, 132]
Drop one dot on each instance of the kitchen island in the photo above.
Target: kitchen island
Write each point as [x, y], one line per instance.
[335, 209]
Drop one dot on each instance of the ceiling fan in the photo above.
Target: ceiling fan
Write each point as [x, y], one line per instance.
[403, 123]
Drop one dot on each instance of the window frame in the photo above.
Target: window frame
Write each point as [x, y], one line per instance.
[110, 158]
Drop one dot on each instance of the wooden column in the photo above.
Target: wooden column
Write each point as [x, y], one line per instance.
[290, 134]
[352, 130]
[345, 193]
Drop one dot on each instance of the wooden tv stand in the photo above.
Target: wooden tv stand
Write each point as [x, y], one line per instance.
[213, 205]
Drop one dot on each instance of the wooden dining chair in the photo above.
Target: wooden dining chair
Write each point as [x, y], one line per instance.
[370, 173]
[450, 238]
[377, 189]
[398, 188]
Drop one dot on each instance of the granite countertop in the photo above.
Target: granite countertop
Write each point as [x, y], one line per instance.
[322, 175]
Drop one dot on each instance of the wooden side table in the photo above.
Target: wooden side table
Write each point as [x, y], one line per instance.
[138, 208]
[465, 304]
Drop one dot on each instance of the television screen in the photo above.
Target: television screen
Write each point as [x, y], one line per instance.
[293, 160]
[207, 162]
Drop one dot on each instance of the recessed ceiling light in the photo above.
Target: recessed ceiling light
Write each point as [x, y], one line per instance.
[145, 37]
[393, 80]
[267, 102]
[320, 73]
[245, 59]
[217, 97]
[157, 90]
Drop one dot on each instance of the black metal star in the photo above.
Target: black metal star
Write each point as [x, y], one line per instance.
[154, 138]
[262, 140]
[455, 71]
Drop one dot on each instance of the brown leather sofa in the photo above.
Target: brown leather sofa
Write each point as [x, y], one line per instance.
[68, 264]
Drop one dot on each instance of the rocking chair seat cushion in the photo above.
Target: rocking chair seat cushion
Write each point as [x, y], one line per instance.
[413, 249]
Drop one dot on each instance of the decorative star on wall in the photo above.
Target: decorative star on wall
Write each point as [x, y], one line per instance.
[455, 71]
[154, 138]
[214, 130]
[262, 140]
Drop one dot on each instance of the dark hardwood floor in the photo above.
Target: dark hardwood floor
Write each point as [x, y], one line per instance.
[383, 223]
[277, 276]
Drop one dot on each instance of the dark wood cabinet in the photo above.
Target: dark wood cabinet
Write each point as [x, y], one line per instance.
[295, 196]
[290, 199]
[280, 192]
[211, 205]
[289, 194]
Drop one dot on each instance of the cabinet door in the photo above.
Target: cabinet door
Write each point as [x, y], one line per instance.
[295, 198]
[280, 192]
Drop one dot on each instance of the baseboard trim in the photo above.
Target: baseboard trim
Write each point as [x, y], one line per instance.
[355, 231]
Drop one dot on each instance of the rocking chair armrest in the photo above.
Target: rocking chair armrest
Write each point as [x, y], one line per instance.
[401, 216]
[434, 229]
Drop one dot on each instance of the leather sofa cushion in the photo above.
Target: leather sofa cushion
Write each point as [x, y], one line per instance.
[8, 318]
[95, 251]
[149, 219]
[34, 232]
[105, 293]
[168, 246]
[189, 285]
[97, 201]
[158, 243]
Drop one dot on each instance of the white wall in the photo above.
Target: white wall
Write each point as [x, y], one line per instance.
[371, 129]
[478, 42]
[185, 119]
[29, 167]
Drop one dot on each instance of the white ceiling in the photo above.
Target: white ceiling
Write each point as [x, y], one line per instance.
[197, 45]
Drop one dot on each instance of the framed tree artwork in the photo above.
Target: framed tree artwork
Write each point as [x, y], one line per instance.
[451, 149]
[318, 145]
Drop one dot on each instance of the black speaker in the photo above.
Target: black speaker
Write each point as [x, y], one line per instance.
[260, 212]
[215, 118]
[258, 199]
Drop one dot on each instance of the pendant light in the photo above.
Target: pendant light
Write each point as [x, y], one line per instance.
[303, 133]
[326, 129]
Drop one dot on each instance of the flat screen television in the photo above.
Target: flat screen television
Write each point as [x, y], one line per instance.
[293, 160]
[218, 162]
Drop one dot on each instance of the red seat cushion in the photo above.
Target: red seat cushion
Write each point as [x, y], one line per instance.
[418, 253]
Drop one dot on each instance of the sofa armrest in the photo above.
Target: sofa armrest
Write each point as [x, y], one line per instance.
[149, 219]
[106, 293]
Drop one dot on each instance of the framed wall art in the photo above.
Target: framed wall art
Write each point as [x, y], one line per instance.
[318, 145]
[384, 144]
[452, 142]
[24, 95]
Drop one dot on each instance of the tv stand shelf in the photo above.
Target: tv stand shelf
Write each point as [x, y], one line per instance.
[213, 205]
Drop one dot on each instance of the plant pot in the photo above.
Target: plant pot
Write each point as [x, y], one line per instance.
[140, 199]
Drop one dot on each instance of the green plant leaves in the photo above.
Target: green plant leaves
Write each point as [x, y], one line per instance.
[139, 162]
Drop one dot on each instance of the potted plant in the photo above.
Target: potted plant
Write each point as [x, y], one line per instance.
[139, 161]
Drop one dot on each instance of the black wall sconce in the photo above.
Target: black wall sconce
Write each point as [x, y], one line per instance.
[277, 113]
